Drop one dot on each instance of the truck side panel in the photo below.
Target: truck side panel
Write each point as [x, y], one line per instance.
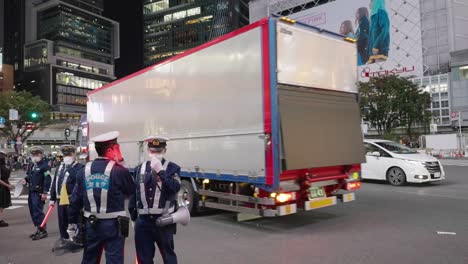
[209, 103]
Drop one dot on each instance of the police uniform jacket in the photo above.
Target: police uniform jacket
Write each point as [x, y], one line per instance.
[57, 183]
[168, 186]
[38, 177]
[120, 185]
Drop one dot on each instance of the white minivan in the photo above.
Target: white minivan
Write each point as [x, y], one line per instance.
[398, 164]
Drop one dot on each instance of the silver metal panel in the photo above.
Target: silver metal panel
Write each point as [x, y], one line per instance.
[312, 59]
[209, 103]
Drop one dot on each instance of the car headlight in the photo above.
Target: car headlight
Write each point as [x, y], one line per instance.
[415, 162]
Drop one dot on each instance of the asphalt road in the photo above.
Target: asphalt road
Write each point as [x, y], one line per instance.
[384, 225]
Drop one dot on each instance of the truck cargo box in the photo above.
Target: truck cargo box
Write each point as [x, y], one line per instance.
[251, 106]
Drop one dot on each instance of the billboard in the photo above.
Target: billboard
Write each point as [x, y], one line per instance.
[388, 33]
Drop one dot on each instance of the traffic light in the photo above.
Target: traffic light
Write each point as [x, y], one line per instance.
[34, 115]
[67, 132]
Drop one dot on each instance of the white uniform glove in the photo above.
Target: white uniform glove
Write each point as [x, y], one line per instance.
[72, 231]
[156, 165]
[51, 203]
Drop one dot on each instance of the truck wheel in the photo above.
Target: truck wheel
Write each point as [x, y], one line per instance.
[188, 197]
[396, 176]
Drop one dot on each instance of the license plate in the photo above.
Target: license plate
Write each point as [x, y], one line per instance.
[437, 175]
[316, 192]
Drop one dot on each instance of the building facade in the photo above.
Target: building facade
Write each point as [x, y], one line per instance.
[437, 87]
[69, 49]
[444, 38]
[171, 27]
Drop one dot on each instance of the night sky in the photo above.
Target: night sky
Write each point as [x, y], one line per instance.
[129, 15]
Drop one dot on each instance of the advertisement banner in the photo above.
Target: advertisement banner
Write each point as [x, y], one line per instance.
[388, 33]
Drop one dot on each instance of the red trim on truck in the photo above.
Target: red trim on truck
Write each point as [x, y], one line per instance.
[269, 173]
[188, 52]
[316, 174]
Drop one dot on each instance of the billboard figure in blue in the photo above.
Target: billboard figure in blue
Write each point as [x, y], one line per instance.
[379, 37]
[38, 180]
[362, 35]
[157, 186]
[101, 188]
[62, 186]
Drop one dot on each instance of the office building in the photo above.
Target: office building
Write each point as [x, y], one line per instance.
[171, 27]
[61, 50]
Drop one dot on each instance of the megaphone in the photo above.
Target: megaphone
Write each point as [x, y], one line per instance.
[182, 216]
[20, 189]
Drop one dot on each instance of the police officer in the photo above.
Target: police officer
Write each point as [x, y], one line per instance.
[157, 186]
[62, 186]
[38, 180]
[101, 187]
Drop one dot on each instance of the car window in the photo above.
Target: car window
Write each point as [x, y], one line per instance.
[396, 148]
[372, 148]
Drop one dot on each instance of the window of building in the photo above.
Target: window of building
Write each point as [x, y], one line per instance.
[445, 103]
[66, 78]
[155, 7]
[194, 11]
[179, 15]
[463, 72]
[436, 113]
[444, 95]
[445, 112]
[435, 104]
[446, 120]
[435, 97]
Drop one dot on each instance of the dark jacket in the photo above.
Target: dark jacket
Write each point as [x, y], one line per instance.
[169, 187]
[60, 175]
[38, 177]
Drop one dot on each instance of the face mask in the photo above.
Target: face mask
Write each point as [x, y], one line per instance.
[68, 160]
[36, 159]
[152, 155]
[159, 156]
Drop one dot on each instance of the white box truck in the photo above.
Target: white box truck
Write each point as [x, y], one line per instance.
[263, 121]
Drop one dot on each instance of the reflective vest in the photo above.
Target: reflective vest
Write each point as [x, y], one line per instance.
[157, 193]
[99, 181]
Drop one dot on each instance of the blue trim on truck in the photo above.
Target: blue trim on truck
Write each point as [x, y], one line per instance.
[223, 177]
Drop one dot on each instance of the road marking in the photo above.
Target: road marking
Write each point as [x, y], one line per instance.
[13, 207]
[19, 201]
[446, 233]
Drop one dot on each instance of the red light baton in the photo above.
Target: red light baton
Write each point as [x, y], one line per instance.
[44, 222]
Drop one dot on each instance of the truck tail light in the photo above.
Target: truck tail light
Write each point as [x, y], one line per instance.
[353, 186]
[283, 197]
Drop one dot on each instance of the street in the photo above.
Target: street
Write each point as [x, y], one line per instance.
[411, 224]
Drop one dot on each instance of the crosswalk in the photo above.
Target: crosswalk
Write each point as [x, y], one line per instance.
[22, 200]
[454, 162]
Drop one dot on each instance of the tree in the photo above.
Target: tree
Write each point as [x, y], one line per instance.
[32, 111]
[390, 101]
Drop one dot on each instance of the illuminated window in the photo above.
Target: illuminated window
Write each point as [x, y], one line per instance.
[179, 15]
[66, 78]
[155, 7]
[167, 18]
[193, 11]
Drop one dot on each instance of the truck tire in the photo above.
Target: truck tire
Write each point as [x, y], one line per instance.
[396, 176]
[187, 196]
